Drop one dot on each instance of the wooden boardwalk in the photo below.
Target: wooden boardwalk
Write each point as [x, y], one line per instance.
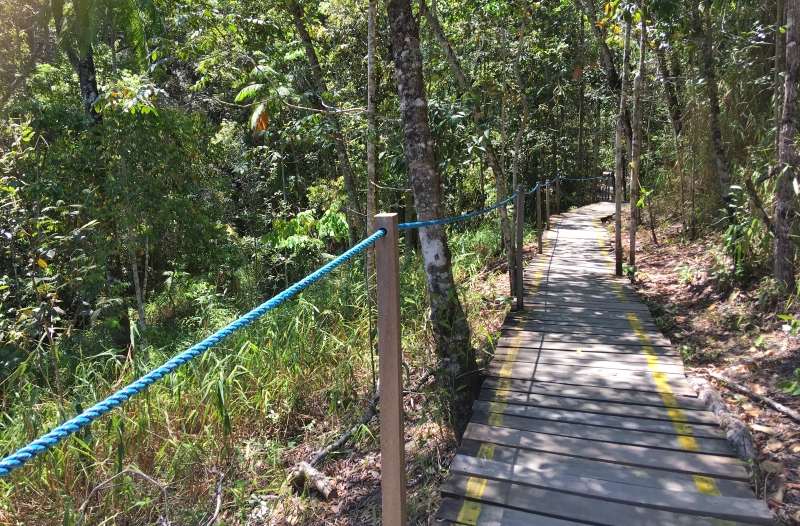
[586, 416]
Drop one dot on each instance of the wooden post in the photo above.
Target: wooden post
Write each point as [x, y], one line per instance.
[393, 457]
[547, 207]
[519, 269]
[539, 216]
[558, 195]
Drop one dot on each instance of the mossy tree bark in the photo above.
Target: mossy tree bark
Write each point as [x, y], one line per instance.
[450, 328]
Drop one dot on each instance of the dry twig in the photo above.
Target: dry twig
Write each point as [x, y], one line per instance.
[791, 413]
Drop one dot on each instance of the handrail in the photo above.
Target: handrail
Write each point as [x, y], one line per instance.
[49, 440]
[63, 431]
[447, 220]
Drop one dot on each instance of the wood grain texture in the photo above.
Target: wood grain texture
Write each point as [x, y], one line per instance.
[586, 415]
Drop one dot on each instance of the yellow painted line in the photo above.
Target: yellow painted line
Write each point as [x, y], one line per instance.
[486, 451]
[706, 485]
[471, 509]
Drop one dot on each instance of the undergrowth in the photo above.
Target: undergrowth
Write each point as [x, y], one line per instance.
[299, 374]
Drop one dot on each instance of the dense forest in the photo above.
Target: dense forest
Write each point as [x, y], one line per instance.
[167, 166]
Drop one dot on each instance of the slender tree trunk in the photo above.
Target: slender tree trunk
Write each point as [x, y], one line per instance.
[87, 78]
[523, 97]
[465, 86]
[596, 147]
[780, 54]
[612, 77]
[785, 198]
[705, 36]
[372, 134]
[623, 102]
[670, 88]
[450, 328]
[636, 145]
[581, 116]
[345, 168]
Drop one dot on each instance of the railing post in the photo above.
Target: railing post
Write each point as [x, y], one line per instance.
[393, 459]
[558, 195]
[520, 225]
[547, 207]
[539, 217]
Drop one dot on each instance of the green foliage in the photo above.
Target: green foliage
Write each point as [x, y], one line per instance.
[793, 388]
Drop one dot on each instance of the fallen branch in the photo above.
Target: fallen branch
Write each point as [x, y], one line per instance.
[214, 517]
[304, 473]
[112, 479]
[335, 446]
[736, 431]
[791, 413]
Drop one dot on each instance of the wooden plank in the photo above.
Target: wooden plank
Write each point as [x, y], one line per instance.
[579, 330]
[554, 465]
[629, 348]
[575, 320]
[584, 356]
[630, 338]
[677, 461]
[726, 508]
[600, 394]
[527, 370]
[450, 512]
[609, 380]
[393, 459]
[567, 311]
[602, 408]
[566, 361]
[598, 433]
[594, 419]
[551, 302]
[570, 507]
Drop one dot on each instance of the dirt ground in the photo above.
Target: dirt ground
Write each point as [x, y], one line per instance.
[732, 331]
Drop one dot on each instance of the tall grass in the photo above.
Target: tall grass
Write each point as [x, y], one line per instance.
[296, 375]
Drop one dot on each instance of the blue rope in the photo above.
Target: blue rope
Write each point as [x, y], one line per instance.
[581, 179]
[42, 444]
[529, 192]
[447, 220]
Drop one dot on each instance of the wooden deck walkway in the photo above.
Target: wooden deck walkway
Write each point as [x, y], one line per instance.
[586, 416]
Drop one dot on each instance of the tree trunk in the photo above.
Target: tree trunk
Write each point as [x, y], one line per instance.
[670, 89]
[785, 198]
[345, 168]
[705, 36]
[450, 328]
[87, 78]
[614, 83]
[780, 54]
[524, 99]
[596, 147]
[675, 116]
[465, 86]
[372, 134]
[623, 102]
[581, 116]
[636, 145]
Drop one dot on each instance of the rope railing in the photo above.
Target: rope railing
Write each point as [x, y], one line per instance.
[455, 219]
[580, 178]
[70, 427]
[49, 440]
